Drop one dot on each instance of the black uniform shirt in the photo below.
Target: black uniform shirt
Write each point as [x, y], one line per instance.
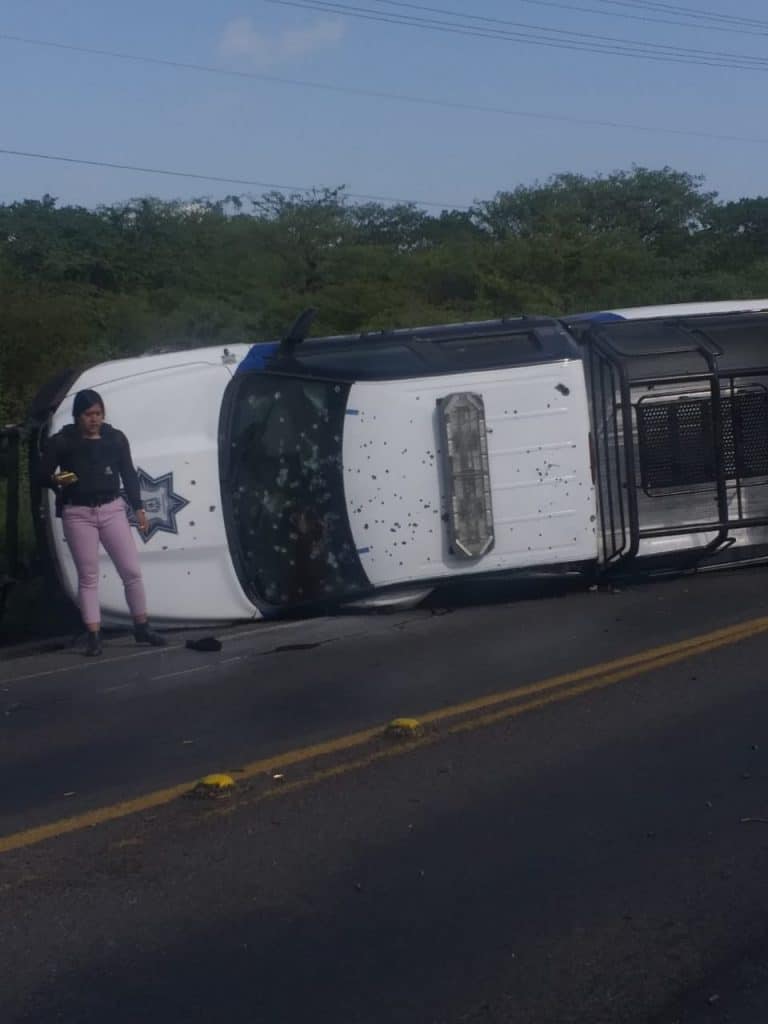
[99, 464]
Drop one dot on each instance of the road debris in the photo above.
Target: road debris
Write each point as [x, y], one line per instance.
[204, 643]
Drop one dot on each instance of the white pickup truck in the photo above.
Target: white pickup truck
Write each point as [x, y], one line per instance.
[373, 468]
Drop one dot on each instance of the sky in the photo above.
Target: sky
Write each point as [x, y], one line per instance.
[273, 123]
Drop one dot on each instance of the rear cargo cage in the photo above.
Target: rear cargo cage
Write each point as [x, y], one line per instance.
[680, 433]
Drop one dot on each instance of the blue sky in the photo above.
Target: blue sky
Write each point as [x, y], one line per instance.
[95, 107]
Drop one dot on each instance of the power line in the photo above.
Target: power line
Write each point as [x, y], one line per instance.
[574, 40]
[431, 101]
[655, 5]
[652, 52]
[646, 19]
[591, 36]
[279, 187]
[343, 8]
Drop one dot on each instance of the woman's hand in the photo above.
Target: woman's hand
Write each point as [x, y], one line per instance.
[141, 518]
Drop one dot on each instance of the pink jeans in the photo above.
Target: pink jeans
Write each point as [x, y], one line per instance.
[84, 527]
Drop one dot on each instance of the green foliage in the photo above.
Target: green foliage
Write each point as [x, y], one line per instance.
[79, 285]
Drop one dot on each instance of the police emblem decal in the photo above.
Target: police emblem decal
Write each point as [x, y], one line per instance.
[161, 504]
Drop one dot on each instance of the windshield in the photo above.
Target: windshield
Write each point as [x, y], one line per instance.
[283, 488]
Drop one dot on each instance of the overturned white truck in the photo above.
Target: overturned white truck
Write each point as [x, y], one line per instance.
[374, 468]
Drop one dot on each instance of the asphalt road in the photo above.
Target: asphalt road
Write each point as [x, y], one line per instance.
[586, 842]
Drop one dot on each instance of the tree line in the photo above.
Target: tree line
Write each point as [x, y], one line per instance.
[80, 285]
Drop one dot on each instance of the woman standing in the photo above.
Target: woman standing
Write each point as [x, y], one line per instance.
[92, 458]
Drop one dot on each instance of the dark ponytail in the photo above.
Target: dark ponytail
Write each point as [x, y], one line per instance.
[84, 400]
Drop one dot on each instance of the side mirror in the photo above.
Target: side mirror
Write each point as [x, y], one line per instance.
[298, 332]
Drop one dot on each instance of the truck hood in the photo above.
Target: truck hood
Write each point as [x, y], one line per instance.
[168, 406]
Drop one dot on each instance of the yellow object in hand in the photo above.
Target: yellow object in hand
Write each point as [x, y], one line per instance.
[66, 478]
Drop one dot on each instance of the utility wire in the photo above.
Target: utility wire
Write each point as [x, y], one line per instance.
[654, 5]
[647, 19]
[222, 180]
[344, 8]
[430, 101]
[591, 36]
[649, 51]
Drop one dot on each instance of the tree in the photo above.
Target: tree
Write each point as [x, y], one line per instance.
[661, 208]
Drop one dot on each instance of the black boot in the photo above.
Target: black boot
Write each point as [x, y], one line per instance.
[93, 644]
[144, 635]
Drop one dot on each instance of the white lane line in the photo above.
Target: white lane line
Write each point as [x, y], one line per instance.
[114, 689]
[198, 668]
[182, 672]
[87, 663]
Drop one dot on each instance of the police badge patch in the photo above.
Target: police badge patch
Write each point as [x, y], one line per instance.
[161, 503]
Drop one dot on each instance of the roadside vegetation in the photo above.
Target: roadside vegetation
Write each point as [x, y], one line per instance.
[81, 285]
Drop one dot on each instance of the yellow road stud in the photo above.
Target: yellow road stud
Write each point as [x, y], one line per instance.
[213, 785]
[404, 729]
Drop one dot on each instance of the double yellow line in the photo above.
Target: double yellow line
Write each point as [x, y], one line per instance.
[457, 718]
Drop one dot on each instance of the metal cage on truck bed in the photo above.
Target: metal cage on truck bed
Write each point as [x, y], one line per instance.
[679, 412]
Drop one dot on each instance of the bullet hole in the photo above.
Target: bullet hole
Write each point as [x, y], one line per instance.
[212, 508]
[563, 389]
[193, 482]
[192, 523]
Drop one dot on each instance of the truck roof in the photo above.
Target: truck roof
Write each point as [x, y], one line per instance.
[421, 351]
[674, 309]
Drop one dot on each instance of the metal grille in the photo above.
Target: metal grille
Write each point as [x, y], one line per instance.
[677, 440]
[610, 462]
[745, 435]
